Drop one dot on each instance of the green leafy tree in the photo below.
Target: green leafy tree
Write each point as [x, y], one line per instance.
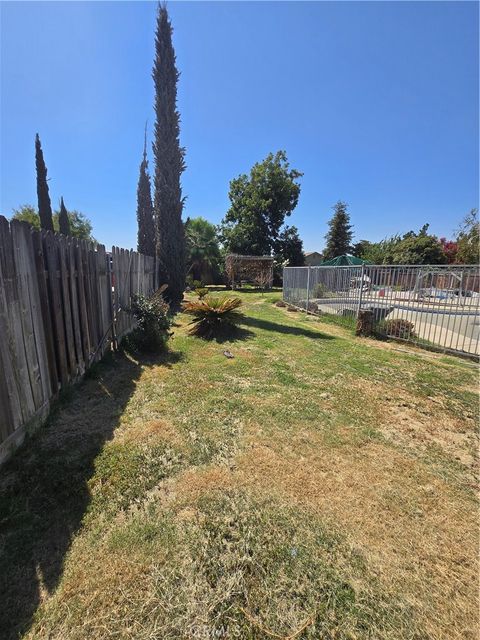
[419, 248]
[146, 226]
[169, 164]
[44, 204]
[27, 213]
[259, 204]
[339, 236]
[377, 252]
[80, 225]
[361, 247]
[289, 248]
[468, 240]
[411, 248]
[203, 250]
[63, 220]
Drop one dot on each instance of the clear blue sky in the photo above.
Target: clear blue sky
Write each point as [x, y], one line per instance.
[376, 102]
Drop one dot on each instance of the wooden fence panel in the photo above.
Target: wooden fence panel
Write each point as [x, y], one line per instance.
[132, 273]
[67, 308]
[104, 297]
[50, 247]
[74, 299]
[10, 394]
[93, 293]
[15, 330]
[25, 326]
[59, 300]
[45, 309]
[82, 305]
[32, 320]
[87, 295]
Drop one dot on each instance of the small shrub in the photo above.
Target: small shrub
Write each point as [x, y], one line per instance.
[202, 292]
[321, 291]
[193, 284]
[397, 328]
[213, 316]
[153, 323]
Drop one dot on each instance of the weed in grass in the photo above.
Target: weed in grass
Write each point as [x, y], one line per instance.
[125, 472]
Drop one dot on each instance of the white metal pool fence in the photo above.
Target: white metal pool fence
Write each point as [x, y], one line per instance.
[436, 305]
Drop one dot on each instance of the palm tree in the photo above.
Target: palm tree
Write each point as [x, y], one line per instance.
[203, 252]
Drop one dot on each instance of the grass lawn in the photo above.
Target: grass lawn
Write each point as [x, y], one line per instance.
[314, 486]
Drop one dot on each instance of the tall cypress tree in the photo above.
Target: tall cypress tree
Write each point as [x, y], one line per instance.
[339, 236]
[146, 227]
[44, 204]
[169, 164]
[63, 220]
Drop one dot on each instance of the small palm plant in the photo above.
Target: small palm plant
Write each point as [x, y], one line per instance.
[213, 316]
[201, 292]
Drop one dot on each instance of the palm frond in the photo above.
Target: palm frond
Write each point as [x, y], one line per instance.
[213, 315]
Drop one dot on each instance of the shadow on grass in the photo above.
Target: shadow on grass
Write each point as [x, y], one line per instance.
[227, 334]
[276, 327]
[44, 490]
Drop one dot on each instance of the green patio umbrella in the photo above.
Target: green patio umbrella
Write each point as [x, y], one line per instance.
[344, 261]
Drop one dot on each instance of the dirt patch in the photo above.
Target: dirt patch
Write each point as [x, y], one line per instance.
[419, 423]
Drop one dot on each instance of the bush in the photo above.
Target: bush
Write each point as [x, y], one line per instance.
[201, 292]
[153, 323]
[213, 316]
[192, 283]
[321, 291]
[397, 328]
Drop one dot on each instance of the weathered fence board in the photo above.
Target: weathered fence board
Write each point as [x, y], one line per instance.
[45, 310]
[53, 276]
[74, 298]
[63, 302]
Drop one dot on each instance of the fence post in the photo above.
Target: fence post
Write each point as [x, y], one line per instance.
[308, 289]
[360, 297]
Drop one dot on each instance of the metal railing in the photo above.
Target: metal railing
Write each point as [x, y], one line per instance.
[430, 305]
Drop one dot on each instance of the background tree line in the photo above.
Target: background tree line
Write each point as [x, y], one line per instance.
[413, 247]
[423, 248]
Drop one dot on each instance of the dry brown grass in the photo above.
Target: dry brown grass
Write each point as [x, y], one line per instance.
[418, 535]
[359, 458]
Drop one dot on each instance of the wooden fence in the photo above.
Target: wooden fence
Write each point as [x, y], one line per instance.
[62, 303]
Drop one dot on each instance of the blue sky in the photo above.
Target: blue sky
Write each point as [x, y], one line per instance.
[376, 102]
